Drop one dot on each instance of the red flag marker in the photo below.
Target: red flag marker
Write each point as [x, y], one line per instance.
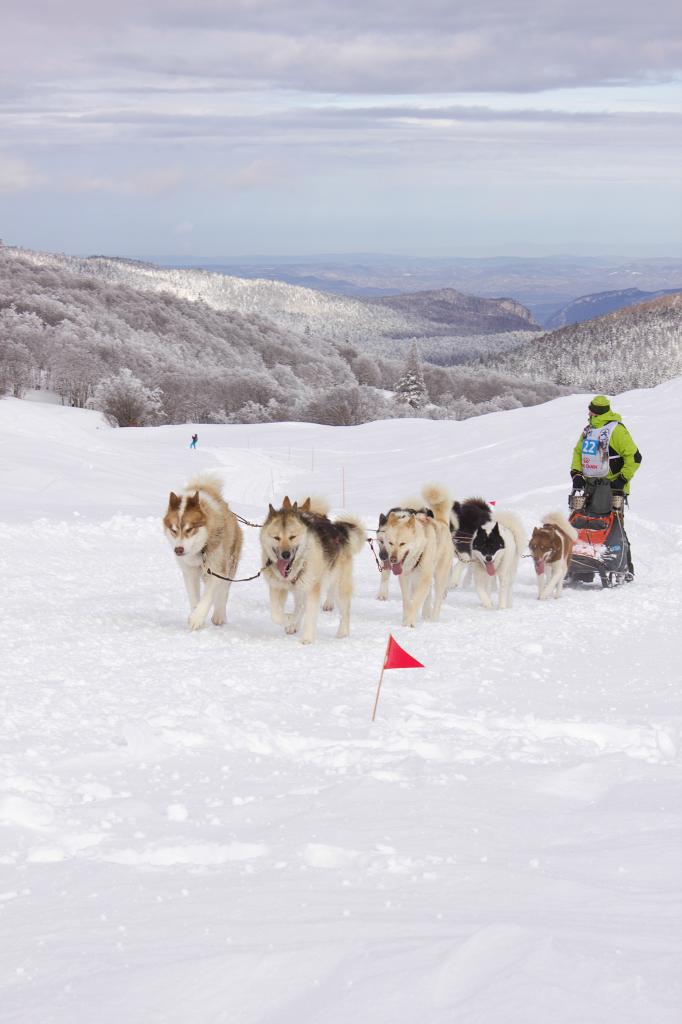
[395, 657]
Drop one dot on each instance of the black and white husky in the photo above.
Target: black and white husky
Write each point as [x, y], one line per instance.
[495, 551]
[465, 519]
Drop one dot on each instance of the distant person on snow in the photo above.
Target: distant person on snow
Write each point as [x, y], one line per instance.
[194, 441]
[605, 451]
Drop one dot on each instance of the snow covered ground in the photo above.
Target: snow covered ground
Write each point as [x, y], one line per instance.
[206, 828]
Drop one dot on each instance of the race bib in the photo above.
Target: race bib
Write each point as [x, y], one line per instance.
[595, 450]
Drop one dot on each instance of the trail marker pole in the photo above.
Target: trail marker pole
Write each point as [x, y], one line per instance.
[395, 657]
[381, 678]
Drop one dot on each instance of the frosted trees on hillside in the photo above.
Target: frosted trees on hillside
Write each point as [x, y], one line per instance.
[66, 330]
[15, 367]
[126, 402]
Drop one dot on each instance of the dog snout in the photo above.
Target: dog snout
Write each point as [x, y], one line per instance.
[179, 550]
[286, 555]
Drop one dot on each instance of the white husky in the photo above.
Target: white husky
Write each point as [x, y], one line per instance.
[495, 550]
[419, 550]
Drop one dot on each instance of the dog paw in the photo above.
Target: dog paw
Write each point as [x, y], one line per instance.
[195, 621]
[381, 597]
[341, 633]
[305, 640]
[328, 606]
[218, 619]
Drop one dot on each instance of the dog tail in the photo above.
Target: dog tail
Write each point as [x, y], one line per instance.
[440, 501]
[513, 523]
[318, 505]
[412, 502]
[557, 519]
[208, 482]
[357, 534]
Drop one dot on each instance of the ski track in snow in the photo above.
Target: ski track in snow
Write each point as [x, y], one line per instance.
[206, 827]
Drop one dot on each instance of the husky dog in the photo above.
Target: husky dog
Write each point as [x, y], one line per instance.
[303, 551]
[495, 551]
[408, 508]
[465, 519]
[420, 554]
[206, 538]
[551, 546]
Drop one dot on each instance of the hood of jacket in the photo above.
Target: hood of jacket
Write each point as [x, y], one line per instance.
[605, 417]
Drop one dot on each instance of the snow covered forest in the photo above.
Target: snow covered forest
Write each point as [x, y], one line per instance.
[153, 356]
[634, 347]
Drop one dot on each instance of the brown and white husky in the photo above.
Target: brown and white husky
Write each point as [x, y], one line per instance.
[205, 537]
[551, 546]
[304, 552]
[419, 552]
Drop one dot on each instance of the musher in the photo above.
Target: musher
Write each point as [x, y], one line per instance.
[605, 450]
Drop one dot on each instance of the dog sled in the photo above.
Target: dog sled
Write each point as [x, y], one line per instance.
[602, 549]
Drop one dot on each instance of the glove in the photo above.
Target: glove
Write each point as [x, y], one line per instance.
[578, 482]
[618, 483]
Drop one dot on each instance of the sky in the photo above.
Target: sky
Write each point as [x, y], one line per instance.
[220, 128]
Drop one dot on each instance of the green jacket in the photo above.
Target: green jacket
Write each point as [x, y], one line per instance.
[624, 455]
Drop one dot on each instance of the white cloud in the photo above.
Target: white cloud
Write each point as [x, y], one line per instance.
[17, 175]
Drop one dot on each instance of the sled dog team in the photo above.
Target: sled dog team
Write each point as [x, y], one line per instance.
[310, 557]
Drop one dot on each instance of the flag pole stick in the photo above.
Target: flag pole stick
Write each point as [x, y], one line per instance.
[383, 668]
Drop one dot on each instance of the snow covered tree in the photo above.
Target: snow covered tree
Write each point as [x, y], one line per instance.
[126, 402]
[15, 367]
[410, 387]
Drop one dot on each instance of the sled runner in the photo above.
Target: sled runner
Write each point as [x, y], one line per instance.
[602, 547]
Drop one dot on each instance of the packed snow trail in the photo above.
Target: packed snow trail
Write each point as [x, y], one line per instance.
[206, 827]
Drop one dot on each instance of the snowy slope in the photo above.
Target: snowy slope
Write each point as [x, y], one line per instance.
[206, 827]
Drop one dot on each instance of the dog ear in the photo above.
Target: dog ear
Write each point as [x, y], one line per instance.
[271, 512]
[305, 507]
[193, 499]
[173, 500]
[456, 507]
[382, 519]
[286, 503]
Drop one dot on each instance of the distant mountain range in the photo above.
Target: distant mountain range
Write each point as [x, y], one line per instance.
[635, 346]
[543, 284]
[449, 311]
[589, 306]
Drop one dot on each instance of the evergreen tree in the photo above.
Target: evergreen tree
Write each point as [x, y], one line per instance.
[411, 388]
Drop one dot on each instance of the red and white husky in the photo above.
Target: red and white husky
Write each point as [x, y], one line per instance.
[206, 538]
[551, 546]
